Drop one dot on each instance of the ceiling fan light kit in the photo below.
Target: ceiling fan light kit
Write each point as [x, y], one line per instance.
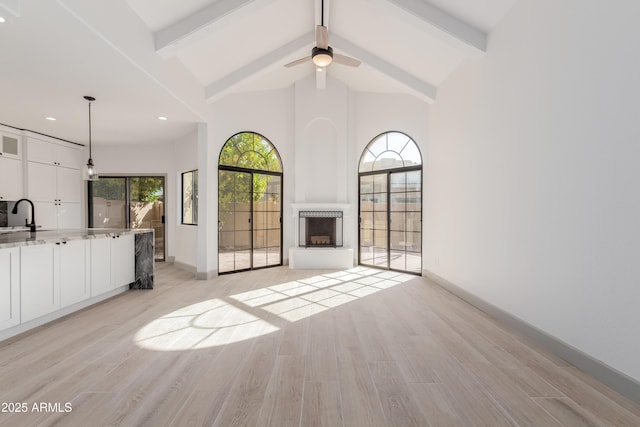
[322, 57]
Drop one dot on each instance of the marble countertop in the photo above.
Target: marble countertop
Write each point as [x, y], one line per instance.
[11, 237]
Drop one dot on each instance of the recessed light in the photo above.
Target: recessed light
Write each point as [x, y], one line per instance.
[162, 118]
[2, 20]
[53, 119]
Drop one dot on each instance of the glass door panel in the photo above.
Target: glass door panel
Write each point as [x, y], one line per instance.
[234, 221]
[373, 220]
[266, 224]
[108, 202]
[406, 221]
[146, 208]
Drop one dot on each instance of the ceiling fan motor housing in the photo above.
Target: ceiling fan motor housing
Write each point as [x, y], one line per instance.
[322, 57]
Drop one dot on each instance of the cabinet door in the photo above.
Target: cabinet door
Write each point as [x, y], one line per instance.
[100, 266]
[9, 287]
[46, 215]
[69, 215]
[69, 157]
[39, 285]
[123, 260]
[74, 272]
[10, 146]
[41, 151]
[10, 179]
[69, 185]
[42, 182]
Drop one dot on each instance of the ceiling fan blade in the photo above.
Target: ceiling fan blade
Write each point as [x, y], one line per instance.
[298, 62]
[346, 60]
[322, 37]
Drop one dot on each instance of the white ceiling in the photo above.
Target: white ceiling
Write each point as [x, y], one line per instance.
[146, 58]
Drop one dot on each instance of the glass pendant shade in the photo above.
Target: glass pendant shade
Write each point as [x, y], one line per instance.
[89, 172]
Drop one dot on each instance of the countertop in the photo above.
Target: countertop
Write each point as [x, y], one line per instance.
[11, 237]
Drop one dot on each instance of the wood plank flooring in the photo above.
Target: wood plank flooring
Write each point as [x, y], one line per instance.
[280, 347]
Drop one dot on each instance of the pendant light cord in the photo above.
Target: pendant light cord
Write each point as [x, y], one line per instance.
[90, 129]
[322, 13]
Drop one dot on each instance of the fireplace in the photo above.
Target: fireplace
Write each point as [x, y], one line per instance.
[320, 229]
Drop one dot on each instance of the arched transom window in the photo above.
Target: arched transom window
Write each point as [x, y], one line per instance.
[249, 150]
[391, 150]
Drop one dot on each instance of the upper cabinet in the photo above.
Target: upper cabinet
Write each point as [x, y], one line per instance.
[54, 182]
[10, 166]
[10, 145]
[54, 154]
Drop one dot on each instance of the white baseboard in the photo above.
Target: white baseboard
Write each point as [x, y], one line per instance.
[604, 373]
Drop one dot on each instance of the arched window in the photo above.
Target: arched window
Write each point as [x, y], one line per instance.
[249, 204]
[390, 208]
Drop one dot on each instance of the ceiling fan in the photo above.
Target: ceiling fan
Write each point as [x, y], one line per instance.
[322, 54]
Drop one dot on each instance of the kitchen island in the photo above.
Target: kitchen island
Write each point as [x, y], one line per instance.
[47, 274]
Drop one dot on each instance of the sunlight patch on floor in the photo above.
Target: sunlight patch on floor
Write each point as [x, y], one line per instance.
[244, 316]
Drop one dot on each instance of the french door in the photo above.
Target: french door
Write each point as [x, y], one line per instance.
[249, 219]
[390, 219]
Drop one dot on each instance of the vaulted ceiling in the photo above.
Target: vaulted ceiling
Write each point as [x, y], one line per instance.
[147, 58]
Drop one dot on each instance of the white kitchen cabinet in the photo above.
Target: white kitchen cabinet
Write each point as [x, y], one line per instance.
[39, 281]
[49, 183]
[74, 272]
[53, 153]
[9, 287]
[112, 263]
[101, 281]
[55, 187]
[10, 178]
[123, 260]
[10, 145]
[10, 166]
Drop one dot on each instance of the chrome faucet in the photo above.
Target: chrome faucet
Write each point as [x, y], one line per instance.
[32, 226]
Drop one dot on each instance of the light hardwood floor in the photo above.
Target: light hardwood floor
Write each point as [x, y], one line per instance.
[279, 347]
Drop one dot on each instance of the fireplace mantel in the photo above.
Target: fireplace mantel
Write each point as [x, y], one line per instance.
[319, 206]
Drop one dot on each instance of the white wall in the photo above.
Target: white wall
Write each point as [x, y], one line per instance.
[532, 172]
[185, 159]
[143, 160]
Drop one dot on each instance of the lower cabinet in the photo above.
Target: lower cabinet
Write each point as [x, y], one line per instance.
[39, 281]
[100, 266]
[9, 287]
[123, 263]
[74, 272]
[112, 263]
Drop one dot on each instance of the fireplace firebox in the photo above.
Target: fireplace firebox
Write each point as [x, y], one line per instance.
[320, 229]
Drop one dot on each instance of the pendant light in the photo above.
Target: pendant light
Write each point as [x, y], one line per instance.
[90, 173]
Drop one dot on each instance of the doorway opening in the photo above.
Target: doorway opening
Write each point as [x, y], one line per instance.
[249, 204]
[390, 204]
